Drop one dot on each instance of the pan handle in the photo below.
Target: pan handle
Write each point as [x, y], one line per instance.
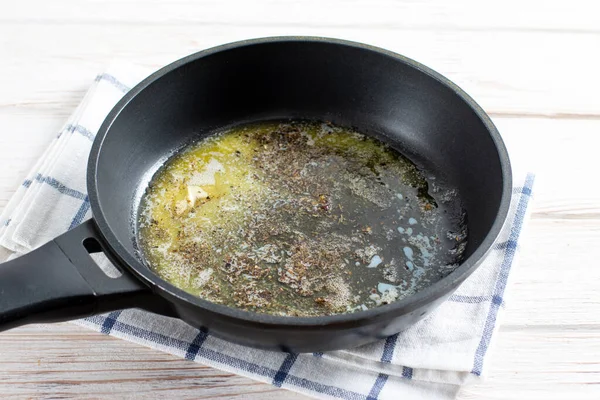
[60, 281]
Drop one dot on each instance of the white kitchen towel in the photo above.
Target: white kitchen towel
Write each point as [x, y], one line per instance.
[432, 359]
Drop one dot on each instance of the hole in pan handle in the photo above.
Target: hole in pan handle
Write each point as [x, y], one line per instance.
[59, 281]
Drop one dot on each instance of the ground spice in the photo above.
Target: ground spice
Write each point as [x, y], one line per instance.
[297, 218]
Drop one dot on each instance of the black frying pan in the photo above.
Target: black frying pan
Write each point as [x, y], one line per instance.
[380, 93]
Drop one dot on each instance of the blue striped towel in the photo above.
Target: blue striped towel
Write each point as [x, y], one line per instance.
[431, 360]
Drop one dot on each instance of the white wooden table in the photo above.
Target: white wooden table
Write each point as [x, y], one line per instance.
[534, 66]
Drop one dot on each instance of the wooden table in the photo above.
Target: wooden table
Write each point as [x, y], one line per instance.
[533, 67]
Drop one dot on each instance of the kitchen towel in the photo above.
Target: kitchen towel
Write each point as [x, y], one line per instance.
[431, 360]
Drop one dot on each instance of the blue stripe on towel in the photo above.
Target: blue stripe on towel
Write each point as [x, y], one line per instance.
[377, 386]
[457, 298]
[407, 372]
[109, 322]
[196, 344]
[59, 186]
[502, 279]
[286, 365]
[113, 81]
[83, 131]
[80, 215]
[388, 348]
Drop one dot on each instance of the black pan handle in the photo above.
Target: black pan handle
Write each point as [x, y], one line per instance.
[60, 281]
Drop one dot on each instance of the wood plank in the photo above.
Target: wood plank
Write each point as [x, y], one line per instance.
[553, 364]
[576, 15]
[556, 282]
[564, 157]
[65, 360]
[508, 72]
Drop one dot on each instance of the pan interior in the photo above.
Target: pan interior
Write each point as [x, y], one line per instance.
[301, 218]
[376, 93]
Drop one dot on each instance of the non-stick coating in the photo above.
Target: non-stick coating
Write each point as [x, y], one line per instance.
[354, 85]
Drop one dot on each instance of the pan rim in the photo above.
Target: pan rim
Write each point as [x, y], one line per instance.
[427, 295]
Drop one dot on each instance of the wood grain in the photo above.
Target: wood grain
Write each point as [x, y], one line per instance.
[568, 369]
[65, 360]
[507, 72]
[512, 15]
[533, 67]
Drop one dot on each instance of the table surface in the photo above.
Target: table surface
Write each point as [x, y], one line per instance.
[533, 66]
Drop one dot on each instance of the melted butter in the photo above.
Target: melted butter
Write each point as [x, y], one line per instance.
[299, 218]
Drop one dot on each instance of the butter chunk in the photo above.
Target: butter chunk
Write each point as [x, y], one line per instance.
[195, 193]
[181, 206]
[206, 177]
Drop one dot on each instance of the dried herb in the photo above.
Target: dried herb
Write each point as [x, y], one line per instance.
[276, 217]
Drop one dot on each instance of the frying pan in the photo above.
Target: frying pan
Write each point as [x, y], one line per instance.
[409, 106]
